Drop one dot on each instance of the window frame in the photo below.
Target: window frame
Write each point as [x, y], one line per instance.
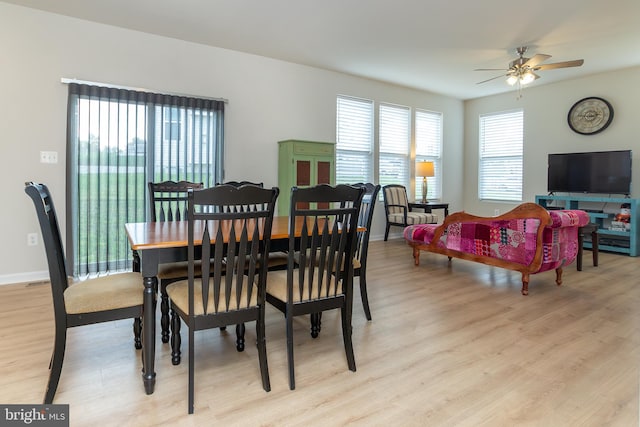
[432, 153]
[500, 145]
[394, 144]
[363, 136]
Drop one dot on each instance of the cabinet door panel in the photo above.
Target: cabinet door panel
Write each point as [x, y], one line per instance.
[303, 173]
[324, 173]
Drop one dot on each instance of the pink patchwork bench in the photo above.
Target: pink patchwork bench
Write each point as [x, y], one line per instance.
[528, 239]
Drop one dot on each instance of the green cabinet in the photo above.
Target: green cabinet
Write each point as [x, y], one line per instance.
[303, 164]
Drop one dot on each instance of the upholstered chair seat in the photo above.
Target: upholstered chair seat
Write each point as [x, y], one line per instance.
[104, 293]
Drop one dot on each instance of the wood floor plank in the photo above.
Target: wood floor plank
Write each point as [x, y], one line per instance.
[450, 344]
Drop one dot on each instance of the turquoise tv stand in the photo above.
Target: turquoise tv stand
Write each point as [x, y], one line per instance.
[602, 211]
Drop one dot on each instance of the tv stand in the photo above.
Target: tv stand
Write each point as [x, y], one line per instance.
[626, 242]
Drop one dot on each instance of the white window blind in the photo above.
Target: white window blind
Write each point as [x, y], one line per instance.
[429, 148]
[395, 130]
[501, 147]
[354, 140]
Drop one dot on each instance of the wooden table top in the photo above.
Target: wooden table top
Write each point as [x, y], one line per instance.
[173, 234]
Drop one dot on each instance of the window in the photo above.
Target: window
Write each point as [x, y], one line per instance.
[395, 130]
[357, 158]
[354, 140]
[429, 148]
[118, 140]
[501, 147]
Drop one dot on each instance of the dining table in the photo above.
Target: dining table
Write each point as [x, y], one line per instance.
[154, 243]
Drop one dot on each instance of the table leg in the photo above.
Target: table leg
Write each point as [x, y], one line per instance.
[149, 334]
[594, 246]
[580, 250]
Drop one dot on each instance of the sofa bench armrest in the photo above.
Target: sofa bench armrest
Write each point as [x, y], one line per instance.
[568, 218]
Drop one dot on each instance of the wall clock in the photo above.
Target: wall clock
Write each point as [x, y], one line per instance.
[590, 115]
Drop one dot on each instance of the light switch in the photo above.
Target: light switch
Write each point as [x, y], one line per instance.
[48, 157]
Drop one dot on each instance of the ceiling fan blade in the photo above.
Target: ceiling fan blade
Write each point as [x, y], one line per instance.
[489, 69]
[492, 78]
[565, 64]
[536, 59]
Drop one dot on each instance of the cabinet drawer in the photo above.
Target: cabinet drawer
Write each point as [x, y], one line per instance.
[312, 148]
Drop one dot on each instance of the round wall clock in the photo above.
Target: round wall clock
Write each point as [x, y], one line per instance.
[590, 115]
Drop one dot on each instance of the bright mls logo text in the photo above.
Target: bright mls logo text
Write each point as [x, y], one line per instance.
[49, 415]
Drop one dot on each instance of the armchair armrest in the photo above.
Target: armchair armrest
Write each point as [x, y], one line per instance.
[403, 207]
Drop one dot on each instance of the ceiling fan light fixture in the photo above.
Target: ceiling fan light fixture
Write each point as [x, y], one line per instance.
[521, 71]
[527, 77]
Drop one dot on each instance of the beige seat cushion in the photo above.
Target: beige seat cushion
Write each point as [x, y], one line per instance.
[277, 259]
[277, 286]
[104, 293]
[179, 294]
[179, 270]
[414, 218]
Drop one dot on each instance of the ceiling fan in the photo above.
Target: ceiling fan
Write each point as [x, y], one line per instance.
[522, 70]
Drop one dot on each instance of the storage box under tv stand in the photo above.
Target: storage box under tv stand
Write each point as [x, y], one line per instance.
[625, 242]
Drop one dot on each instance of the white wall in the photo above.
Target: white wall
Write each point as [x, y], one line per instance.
[269, 101]
[546, 129]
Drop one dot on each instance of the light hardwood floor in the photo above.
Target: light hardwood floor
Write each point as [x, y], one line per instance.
[449, 345]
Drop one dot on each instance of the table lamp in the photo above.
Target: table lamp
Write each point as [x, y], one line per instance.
[424, 169]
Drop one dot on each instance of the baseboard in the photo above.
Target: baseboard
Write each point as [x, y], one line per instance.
[34, 276]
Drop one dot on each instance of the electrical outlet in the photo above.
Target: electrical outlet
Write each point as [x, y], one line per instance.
[496, 212]
[32, 239]
[48, 157]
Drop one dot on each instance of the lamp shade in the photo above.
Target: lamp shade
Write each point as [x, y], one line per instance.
[424, 169]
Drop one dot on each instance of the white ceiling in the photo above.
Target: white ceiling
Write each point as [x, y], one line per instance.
[424, 44]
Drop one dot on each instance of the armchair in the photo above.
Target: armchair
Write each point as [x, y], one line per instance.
[399, 212]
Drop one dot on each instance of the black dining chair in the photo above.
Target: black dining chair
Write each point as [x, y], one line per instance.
[276, 260]
[365, 219]
[102, 299]
[232, 243]
[328, 217]
[168, 202]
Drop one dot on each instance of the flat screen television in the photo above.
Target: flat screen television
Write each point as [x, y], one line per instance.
[607, 172]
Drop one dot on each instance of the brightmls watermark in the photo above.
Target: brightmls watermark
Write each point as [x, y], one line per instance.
[34, 415]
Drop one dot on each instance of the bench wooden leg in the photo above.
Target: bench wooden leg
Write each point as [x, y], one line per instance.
[416, 256]
[525, 284]
[559, 276]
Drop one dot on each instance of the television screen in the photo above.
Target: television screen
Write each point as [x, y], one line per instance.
[607, 172]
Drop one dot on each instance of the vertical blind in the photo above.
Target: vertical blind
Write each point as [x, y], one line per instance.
[395, 130]
[501, 150]
[118, 140]
[354, 140]
[429, 148]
